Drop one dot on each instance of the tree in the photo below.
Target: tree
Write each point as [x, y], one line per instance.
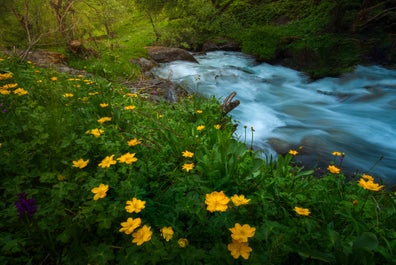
[106, 13]
[32, 16]
[63, 10]
[374, 11]
[152, 8]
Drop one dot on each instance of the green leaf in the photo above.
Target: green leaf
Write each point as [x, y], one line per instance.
[367, 241]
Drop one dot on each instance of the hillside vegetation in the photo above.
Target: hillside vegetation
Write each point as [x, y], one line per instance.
[93, 173]
[321, 38]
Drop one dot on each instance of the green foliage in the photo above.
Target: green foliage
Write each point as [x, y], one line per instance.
[189, 24]
[263, 42]
[321, 38]
[43, 132]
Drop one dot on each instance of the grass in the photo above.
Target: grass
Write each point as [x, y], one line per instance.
[56, 209]
[114, 54]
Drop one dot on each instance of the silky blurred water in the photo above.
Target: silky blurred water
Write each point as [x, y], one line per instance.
[354, 114]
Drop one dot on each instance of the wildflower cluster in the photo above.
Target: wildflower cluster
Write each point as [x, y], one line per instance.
[11, 88]
[239, 245]
[367, 183]
[218, 201]
[144, 233]
[333, 168]
[188, 166]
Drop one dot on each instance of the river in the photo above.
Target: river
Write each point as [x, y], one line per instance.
[354, 113]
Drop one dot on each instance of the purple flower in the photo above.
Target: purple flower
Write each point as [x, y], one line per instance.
[25, 205]
[1, 106]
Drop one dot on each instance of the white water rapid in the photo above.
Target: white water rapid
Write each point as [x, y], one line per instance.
[354, 114]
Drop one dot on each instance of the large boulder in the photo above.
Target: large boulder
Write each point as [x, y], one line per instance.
[161, 54]
[145, 64]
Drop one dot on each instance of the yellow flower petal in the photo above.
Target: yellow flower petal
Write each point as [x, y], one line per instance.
[100, 191]
[302, 211]
[216, 201]
[142, 235]
[167, 233]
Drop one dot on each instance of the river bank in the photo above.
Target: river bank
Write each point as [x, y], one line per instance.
[350, 114]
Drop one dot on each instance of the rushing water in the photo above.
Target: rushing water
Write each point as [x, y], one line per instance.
[354, 113]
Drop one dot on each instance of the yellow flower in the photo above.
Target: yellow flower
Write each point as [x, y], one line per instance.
[217, 126]
[80, 163]
[4, 92]
[68, 95]
[216, 201]
[333, 169]
[182, 242]
[241, 233]
[129, 107]
[130, 225]
[93, 93]
[167, 233]
[54, 78]
[200, 127]
[142, 235]
[335, 153]
[61, 178]
[134, 95]
[127, 158]
[367, 177]
[302, 211]
[104, 119]
[199, 111]
[20, 92]
[187, 154]
[293, 152]
[238, 249]
[8, 86]
[188, 166]
[5, 76]
[107, 162]
[369, 184]
[238, 200]
[134, 142]
[135, 205]
[95, 132]
[103, 105]
[39, 81]
[100, 191]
